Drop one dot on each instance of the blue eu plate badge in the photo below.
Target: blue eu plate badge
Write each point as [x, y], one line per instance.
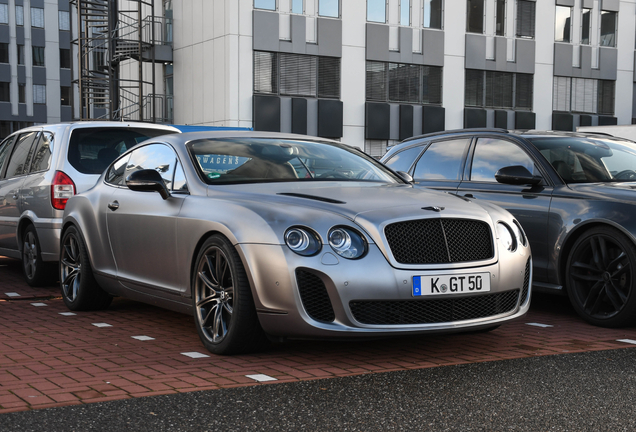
[417, 286]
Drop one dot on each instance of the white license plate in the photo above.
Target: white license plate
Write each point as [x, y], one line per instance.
[451, 284]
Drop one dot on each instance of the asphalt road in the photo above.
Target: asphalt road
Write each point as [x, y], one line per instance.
[592, 391]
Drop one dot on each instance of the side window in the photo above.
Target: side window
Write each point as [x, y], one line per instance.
[5, 148]
[154, 156]
[492, 154]
[42, 155]
[403, 160]
[179, 184]
[115, 174]
[442, 160]
[21, 156]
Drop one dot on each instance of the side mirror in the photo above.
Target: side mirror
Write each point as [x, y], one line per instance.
[405, 176]
[516, 175]
[147, 180]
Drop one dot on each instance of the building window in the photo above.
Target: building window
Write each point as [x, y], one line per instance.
[432, 14]
[492, 89]
[296, 75]
[586, 23]
[562, 23]
[329, 8]
[400, 82]
[19, 15]
[583, 95]
[608, 29]
[405, 12]
[298, 7]
[39, 94]
[37, 17]
[65, 93]
[265, 4]
[525, 18]
[64, 21]
[4, 53]
[376, 11]
[65, 58]
[21, 93]
[500, 18]
[20, 54]
[475, 16]
[5, 92]
[4, 13]
[38, 56]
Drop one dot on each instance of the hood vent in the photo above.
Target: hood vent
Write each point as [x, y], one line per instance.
[313, 197]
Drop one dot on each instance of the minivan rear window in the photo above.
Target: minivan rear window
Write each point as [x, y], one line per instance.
[91, 150]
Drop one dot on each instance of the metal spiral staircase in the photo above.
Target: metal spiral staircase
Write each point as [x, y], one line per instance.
[118, 53]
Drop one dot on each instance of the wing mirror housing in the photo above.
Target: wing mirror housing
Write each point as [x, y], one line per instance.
[516, 175]
[405, 176]
[147, 180]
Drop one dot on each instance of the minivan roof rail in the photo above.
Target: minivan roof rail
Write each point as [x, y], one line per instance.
[471, 130]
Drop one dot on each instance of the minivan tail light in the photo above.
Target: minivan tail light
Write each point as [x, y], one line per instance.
[62, 189]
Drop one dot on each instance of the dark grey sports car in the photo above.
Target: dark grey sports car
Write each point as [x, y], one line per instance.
[289, 236]
[574, 194]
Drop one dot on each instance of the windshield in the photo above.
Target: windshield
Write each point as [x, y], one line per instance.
[590, 159]
[255, 160]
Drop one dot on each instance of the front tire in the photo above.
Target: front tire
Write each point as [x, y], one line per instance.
[224, 312]
[80, 290]
[601, 280]
[36, 272]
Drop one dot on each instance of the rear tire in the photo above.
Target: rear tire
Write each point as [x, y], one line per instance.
[36, 272]
[80, 291]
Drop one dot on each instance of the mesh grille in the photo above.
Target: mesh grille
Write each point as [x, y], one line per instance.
[433, 311]
[439, 241]
[313, 294]
[526, 283]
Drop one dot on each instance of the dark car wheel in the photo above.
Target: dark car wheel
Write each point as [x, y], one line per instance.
[600, 277]
[36, 271]
[80, 291]
[224, 311]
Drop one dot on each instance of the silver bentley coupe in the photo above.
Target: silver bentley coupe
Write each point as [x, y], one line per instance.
[269, 236]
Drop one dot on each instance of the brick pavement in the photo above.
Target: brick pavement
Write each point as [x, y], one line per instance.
[48, 359]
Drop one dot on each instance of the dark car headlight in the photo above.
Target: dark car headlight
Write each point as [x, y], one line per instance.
[303, 241]
[347, 242]
[506, 236]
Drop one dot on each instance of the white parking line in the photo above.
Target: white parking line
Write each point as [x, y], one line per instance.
[195, 355]
[102, 325]
[539, 325]
[143, 338]
[39, 304]
[12, 294]
[68, 313]
[629, 341]
[261, 377]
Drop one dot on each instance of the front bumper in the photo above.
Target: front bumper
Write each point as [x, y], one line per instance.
[283, 311]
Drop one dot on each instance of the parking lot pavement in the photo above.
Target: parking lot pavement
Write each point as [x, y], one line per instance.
[131, 350]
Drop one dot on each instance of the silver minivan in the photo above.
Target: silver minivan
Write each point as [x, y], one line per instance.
[41, 167]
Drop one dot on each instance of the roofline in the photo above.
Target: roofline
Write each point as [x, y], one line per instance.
[455, 131]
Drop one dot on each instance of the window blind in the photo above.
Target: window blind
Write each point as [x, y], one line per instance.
[265, 72]
[526, 17]
[377, 79]
[329, 77]
[297, 75]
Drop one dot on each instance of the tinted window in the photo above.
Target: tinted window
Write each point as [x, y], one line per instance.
[179, 184]
[42, 155]
[91, 150]
[158, 157]
[442, 160]
[115, 174]
[5, 147]
[403, 160]
[19, 162]
[492, 154]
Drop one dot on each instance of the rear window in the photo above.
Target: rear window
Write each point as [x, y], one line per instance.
[91, 150]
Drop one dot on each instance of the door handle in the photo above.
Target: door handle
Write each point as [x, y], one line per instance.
[15, 196]
[469, 195]
[113, 205]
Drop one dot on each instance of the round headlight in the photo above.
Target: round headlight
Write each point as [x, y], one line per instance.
[347, 242]
[506, 237]
[521, 236]
[302, 241]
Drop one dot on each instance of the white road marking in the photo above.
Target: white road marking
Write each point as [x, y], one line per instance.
[143, 338]
[539, 325]
[261, 378]
[629, 341]
[102, 325]
[195, 354]
[39, 304]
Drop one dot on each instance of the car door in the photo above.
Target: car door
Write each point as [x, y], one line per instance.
[529, 204]
[142, 226]
[442, 163]
[11, 180]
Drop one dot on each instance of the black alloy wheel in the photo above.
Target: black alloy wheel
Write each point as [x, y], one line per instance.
[600, 277]
[36, 272]
[224, 312]
[80, 291]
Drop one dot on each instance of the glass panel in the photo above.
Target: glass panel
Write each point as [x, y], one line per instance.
[475, 16]
[42, 156]
[433, 14]
[442, 160]
[376, 11]
[20, 54]
[39, 94]
[64, 20]
[4, 152]
[179, 184]
[4, 14]
[329, 8]
[5, 92]
[585, 26]
[19, 15]
[65, 58]
[65, 95]
[562, 24]
[431, 85]
[404, 82]
[4, 53]
[38, 56]
[500, 19]
[265, 72]
[265, 4]
[157, 157]
[405, 12]
[297, 6]
[116, 172]
[377, 81]
[19, 162]
[526, 12]
[21, 93]
[404, 159]
[492, 154]
[37, 17]
[608, 29]
[474, 90]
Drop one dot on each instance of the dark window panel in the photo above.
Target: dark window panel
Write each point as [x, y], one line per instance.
[265, 72]
[329, 77]
[21, 93]
[377, 79]
[433, 14]
[432, 85]
[404, 83]
[4, 53]
[474, 91]
[500, 18]
[606, 91]
[475, 16]
[524, 91]
[20, 54]
[608, 28]
[5, 92]
[297, 75]
[498, 89]
[585, 26]
[65, 58]
[38, 56]
[65, 95]
[526, 17]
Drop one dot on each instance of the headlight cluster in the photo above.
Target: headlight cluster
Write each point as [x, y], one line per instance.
[345, 241]
[510, 236]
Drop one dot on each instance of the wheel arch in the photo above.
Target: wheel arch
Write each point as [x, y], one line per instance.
[22, 226]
